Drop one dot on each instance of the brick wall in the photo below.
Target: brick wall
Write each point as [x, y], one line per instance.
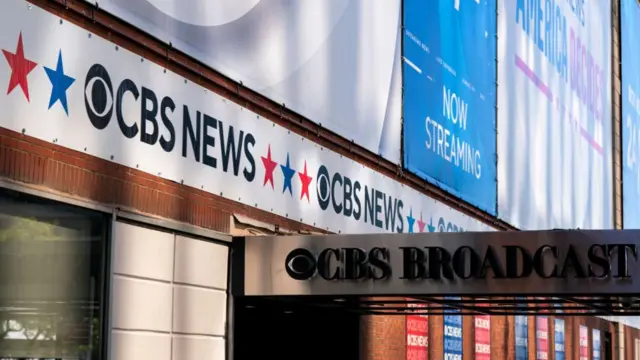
[436, 337]
[382, 341]
[54, 168]
[630, 335]
[382, 337]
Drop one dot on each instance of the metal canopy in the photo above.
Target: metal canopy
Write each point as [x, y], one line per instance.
[443, 306]
[573, 272]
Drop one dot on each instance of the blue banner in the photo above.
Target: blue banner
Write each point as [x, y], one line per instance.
[630, 23]
[522, 337]
[453, 334]
[596, 344]
[450, 96]
[558, 338]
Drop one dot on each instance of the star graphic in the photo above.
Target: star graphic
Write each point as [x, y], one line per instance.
[269, 166]
[410, 220]
[306, 181]
[20, 68]
[288, 173]
[421, 224]
[430, 226]
[60, 83]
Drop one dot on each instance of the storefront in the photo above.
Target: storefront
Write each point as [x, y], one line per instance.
[80, 281]
[537, 295]
[83, 281]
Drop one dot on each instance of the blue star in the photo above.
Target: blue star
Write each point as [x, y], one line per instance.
[430, 226]
[411, 220]
[60, 83]
[288, 173]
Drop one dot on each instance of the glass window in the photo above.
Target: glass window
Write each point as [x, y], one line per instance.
[52, 260]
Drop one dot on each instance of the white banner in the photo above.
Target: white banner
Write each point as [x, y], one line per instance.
[83, 92]
[554, 114]
[336, 62]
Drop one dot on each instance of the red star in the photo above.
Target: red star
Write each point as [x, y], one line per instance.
[20, 68]
[269, 166]
[421, 224]
[306, 181]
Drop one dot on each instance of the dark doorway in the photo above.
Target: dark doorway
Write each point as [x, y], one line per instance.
[272, 330]
[608, 346]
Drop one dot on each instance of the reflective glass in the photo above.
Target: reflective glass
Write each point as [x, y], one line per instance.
[51, 279]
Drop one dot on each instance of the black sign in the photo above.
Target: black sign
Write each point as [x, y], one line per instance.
[600, 261]
[339, 264]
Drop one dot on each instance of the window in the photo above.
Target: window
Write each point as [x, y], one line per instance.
[636, 349]
[52, 260]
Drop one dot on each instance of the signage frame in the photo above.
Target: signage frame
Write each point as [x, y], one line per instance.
[263, 265]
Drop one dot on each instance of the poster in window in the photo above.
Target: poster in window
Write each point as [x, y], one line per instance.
[453, 333]
[417, 335]
[584, 343]
[482, 334]
[542, 338]
[558, 337]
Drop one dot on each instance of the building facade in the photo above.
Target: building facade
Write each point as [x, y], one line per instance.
[149, 152]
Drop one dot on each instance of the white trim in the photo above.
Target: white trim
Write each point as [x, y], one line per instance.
[173, 225]
[108, 277]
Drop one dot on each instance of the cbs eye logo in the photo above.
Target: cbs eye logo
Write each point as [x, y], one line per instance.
[300, 264]
[98, 96]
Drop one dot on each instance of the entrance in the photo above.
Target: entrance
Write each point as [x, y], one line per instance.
[267, 329]
[302, 297]
[500, 273]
